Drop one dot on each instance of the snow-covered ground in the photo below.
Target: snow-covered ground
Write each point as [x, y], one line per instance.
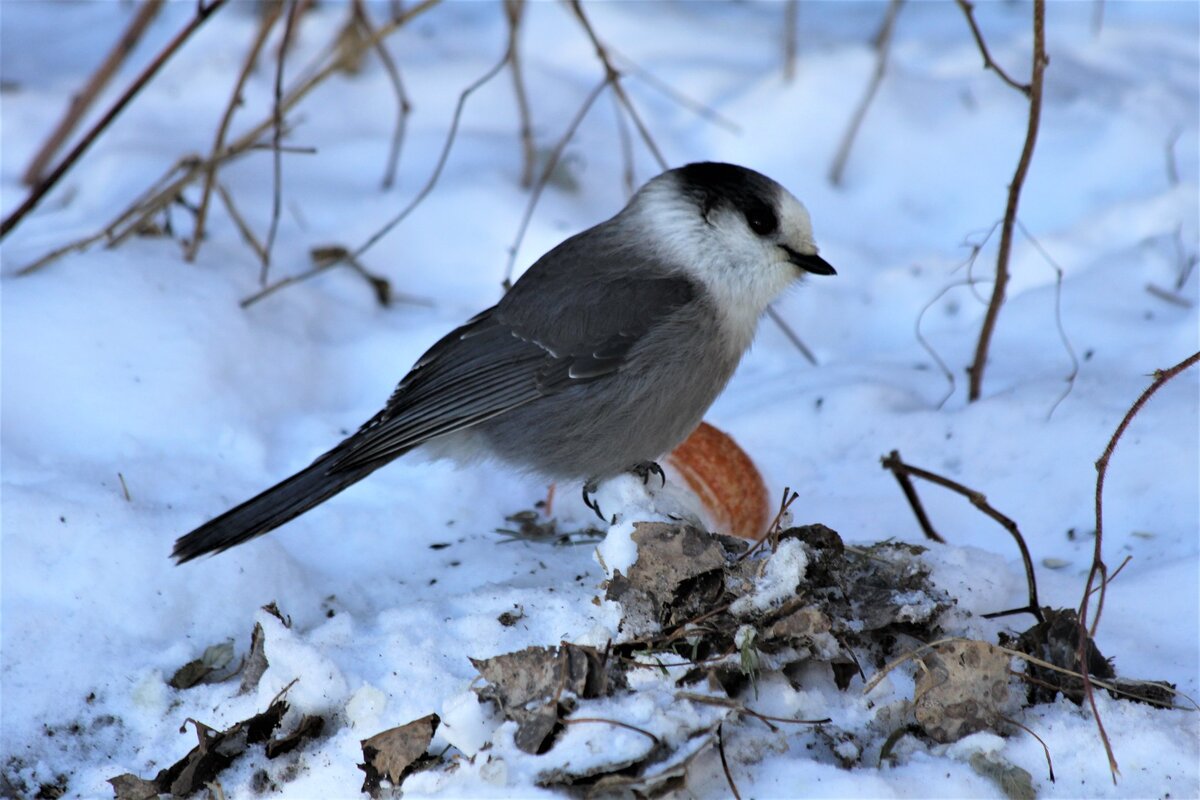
[139, 399]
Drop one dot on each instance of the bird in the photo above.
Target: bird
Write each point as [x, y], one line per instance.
[604, 355]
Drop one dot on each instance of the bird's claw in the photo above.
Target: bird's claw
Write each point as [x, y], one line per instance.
[643, 470]
[647, 468]
[588, 489]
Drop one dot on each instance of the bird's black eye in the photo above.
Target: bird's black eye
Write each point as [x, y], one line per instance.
[762, 220]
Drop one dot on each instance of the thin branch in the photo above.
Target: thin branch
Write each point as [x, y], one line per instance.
[1099, 568]
[189, 168]
[893, 463]
[968, 9]
[976, 370]
[778, 319]
[82, 101]
[403, 104]
[276, 137]
[882, 44]
[789, 497]
[347, 256]
[240, 222]
[1058, 322]
[547, 170]
[791, 12]
[514, 12]
[914, 500]
[614, 77]
[203, 12]
[707, 113]
[442, 158]
[272, 11]
[628, 176]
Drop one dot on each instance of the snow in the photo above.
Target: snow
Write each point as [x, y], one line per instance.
[130, 368]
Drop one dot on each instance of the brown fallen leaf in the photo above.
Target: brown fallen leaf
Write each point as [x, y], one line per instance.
[394, 754]
[962, 689]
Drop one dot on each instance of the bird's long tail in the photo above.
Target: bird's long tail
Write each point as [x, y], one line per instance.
[267, 511]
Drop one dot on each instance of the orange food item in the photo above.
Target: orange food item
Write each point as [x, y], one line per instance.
[725, 480]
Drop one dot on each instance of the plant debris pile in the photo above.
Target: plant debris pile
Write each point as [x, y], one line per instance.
[700, 620]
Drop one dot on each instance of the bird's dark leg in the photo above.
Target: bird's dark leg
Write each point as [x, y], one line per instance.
[589, 488]
[647, 468]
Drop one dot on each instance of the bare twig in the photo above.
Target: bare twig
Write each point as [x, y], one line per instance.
[441, 162]
[628, 176]
[1058, 322]
[705, 112]
[203, 12]
[240, 222]
[270, 15]
[897, 467]
[277, 137]
[124, 488]
[882, 44]
[189, 168]
[914, 500]
[82, 101]
[613, 76]
[976, 370]
[514, 12]
[791, 12]
[547, 170]
[968, 9]
[789, 497]
[1099, 568]
[778, 319]
[403, 104]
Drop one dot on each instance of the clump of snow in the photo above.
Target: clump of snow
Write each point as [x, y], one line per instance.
[779, 579]
[467, 723]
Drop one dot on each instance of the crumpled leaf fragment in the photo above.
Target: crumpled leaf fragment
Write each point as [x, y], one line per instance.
[215, 657]
[392, 755]
[962, 688]
[529, 686]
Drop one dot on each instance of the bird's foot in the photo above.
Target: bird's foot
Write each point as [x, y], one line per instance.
[647, 468]
[642, 470]
[589, 488]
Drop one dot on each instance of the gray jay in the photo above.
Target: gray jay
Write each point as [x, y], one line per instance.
[602, 357]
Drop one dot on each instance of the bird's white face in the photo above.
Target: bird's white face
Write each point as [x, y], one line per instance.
[745, 257]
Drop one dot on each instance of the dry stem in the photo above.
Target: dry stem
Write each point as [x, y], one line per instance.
[968, 9]
[976, 370]
[900, 470]
[203, 12]
[82, 101]
[882, 44]
[272, 11]
[1098, 566]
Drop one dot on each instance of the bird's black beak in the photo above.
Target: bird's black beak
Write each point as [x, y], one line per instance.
[809, 263]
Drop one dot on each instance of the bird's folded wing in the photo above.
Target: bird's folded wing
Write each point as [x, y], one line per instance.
[499, 361]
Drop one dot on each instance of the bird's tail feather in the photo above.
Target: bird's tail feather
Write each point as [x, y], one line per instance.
[272, 508]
